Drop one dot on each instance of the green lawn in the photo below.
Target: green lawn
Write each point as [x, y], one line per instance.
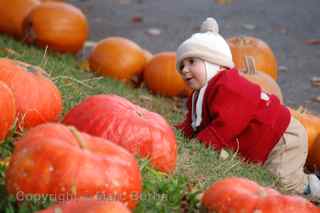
[197, 167]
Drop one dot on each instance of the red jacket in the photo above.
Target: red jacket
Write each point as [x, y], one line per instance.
[235, 116]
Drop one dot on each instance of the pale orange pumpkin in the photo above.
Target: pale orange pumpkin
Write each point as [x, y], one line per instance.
[264, 80]
[249, 46]
[161, 76]
[312, 124]
[118, 58]
[60, 26]
[12, 15]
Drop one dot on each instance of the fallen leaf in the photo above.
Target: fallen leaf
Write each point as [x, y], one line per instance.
[249, 26]
[154, 31]
[283, 68]
[315, 81]
[312, 41]
[316, 99]
[223, 2]
[136, 19]
[223, 154]
[90, 44]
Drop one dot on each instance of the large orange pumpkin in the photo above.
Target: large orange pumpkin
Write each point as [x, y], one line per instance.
[265, 81]
[60, 26]
[53, 159]
[37, 98]
[88, 206]
[249, 46]
[312, 124]
[235, 194]
[138, 130]
[118, 58]
[161, 76]
[12, 15]
[7, 110]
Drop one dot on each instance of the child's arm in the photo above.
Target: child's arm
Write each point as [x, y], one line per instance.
[232, 114]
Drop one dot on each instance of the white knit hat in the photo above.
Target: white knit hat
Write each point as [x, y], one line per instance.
[207, 45]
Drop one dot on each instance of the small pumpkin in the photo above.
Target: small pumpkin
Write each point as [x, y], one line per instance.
[118, 58]
[138, 78]
[311, 123]
[13, 13]
[7, 110]
[60, 26]
[236, 194]
[138, 130]
[161, 76]
[264, 80]
[69, 163]
[87, 206]
[37, 98]
[264, 57]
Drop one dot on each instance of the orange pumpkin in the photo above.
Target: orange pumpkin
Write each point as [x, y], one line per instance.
[312, 124]
[38, 100]
[138, 130]
[161, 76]
[7, 110]
[12, 15]
[264, 80]
[53, 159]
[138, 78]
[236, 194]
[88, 206]
[60, 26]
[249, 46]
[118, 58]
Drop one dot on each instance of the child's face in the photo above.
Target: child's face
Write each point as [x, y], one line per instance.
[193, 71]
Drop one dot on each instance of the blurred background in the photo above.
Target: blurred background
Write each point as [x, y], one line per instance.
[289, 27]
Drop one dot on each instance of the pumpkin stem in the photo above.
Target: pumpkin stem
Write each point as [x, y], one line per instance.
[250, 65]
[78, 137]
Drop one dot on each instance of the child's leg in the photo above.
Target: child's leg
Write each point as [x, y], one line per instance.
[287, 158]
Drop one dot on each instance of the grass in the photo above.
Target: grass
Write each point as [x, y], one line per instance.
[197, 167]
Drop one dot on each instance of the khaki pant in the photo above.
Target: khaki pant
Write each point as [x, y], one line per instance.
[286, 160]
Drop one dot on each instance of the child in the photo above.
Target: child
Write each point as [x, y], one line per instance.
[227, 111]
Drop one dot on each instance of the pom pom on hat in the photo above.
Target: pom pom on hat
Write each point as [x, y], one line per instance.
[209, 25]
[207, 45]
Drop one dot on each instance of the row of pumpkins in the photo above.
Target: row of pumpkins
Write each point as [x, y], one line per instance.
[98, 140]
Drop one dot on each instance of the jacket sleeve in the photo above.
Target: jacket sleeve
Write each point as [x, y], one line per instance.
[185, 126]
[231, 112]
